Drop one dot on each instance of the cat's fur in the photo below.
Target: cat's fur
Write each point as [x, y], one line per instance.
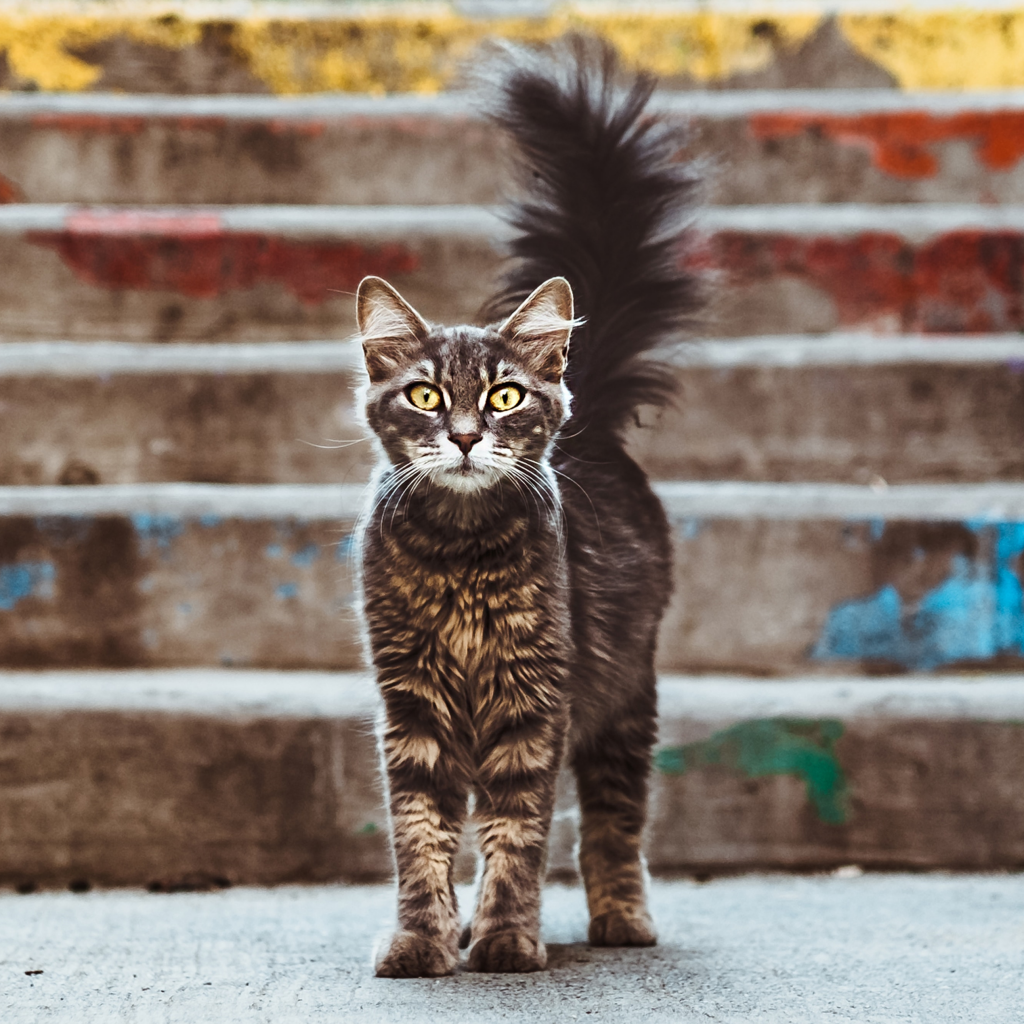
[516, 564]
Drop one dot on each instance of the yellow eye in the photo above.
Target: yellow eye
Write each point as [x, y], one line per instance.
[508, 396]
[423, 396]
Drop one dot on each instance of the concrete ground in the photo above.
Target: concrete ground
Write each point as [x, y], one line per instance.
[873, 948]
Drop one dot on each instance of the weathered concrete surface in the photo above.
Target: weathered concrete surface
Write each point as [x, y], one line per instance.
[205, 778]
[769, 579]
[866, 146]
[136, 150]
[191, 274]
[764, 950]
[422, 47]
[901, 422]
[277, 273]
[222, 428]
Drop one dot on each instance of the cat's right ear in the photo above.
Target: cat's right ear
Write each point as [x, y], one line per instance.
[389, 327]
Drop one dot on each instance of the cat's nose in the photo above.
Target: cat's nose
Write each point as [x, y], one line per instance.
[465, 441]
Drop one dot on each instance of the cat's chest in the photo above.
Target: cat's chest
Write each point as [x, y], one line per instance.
[474, 614]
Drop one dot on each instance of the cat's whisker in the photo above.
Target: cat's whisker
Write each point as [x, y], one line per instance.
[334, 443]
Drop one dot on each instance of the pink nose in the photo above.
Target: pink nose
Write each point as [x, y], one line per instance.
[465, 441]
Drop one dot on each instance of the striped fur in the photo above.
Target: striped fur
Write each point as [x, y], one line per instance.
[515, 562]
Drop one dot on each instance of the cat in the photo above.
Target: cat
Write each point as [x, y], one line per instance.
[515, 563]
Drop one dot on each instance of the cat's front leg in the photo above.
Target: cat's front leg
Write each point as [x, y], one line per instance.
[515, 801]
[428, 792]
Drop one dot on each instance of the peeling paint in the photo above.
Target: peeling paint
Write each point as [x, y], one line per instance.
[25, 579]
[306, 557]
[9, 192]
[801, 747]
[960, 281]
[975, 614]
[156, 530]
[902, 143]
[286, 591]
[418, 47]
[202, 261]
[414, 48]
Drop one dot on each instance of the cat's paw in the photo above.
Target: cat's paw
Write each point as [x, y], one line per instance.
[507, 953]
[466, 937]
[409, 955]
[618, 928]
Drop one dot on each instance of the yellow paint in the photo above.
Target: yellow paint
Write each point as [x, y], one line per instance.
[40, 44]
[951, 49]
[418, 47]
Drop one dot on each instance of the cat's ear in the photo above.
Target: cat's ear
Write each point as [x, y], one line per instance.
[389, 326]
[540, 328]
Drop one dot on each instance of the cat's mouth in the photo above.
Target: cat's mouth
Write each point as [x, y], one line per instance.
[467, 475]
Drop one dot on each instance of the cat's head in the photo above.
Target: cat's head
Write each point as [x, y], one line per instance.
[466, 407]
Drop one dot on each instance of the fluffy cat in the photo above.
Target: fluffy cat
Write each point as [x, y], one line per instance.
[515, 563]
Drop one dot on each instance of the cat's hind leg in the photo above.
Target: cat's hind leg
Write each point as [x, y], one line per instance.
[612, 770]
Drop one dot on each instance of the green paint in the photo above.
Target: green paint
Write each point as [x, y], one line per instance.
[369, 829]
[804, 747]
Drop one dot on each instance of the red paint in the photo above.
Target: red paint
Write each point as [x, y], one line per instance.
[900, 142]
[201, 263]
[964, 281]
[105, 124]
[9, 192]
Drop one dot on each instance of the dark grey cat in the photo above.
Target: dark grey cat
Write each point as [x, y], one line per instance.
[516, 563]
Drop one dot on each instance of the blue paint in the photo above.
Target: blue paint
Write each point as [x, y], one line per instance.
[343, 549]
[689, 528]
[274, 551]
[876, 527]
[185, 608]
[306, 557]
[287, 590]
[210, 520]
[25, 579]
[975, 614]
[157, 529]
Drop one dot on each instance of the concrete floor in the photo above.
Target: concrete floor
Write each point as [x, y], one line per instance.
[793, 950]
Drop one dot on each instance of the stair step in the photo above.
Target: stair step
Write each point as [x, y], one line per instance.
[769, 578]
[187, 47]
[833, 409]
[267, 272]
[199, 778]
[834, 145]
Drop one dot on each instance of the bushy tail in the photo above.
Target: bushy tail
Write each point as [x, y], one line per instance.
[606, 198]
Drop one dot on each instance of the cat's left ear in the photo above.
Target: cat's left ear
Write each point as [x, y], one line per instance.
[389, 325]
[540, 328]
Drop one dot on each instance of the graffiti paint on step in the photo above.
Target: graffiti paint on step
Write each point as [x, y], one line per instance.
[199, 260]
[974, 615]
[156, 530]
[25, 579]
[901, 143]
[801, 747]
[959, 281]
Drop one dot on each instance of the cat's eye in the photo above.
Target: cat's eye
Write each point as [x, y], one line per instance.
[424, 397]
[506, 397]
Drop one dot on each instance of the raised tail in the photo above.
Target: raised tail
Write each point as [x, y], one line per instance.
[605, 200]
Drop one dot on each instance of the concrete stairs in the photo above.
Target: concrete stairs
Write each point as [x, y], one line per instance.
[182, 703]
